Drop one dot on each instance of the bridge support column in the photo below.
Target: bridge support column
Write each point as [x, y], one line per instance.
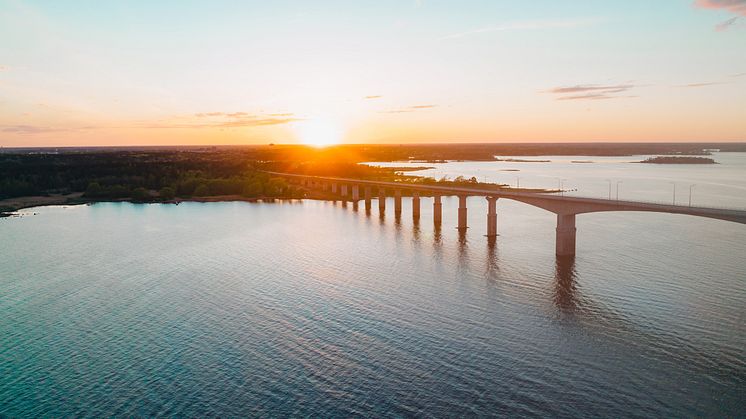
[397, 201]
[416, 205]
[334, 187]
[324, 186]
[355, 193]
[367, 193]
[344, 190]
[565, 242]
[462, 212]
[381, 200]
[491, 216]
[437, 209]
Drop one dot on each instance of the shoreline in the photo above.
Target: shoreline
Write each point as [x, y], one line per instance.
[10, 207]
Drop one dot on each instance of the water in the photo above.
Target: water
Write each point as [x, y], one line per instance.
[310, 308]
[719, 185]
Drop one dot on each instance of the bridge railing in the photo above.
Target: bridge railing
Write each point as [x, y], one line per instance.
[645, 201]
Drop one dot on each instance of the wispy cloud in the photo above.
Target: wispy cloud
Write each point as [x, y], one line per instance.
[734, 6]
[737, 75]
[195, 121]
[373, 97]
[591, 91]
[526, 25]
[226, 120]
[723, 26]
[40, 129]
[593, 96]
[410, 109]
[709, 83]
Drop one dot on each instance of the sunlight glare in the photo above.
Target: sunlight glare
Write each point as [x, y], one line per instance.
[319, 132]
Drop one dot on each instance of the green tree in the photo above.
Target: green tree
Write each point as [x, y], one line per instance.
[202, 190]
[93, 190]
[167, 193]
[140, 194]
[252, 189]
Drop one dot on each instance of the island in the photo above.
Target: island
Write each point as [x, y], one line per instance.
[678, 160]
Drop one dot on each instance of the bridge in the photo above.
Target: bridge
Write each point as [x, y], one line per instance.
[566, 208]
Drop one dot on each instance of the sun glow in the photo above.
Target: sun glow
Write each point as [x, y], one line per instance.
[318, 132]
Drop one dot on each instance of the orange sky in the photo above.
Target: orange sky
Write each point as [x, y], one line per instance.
[389, 71]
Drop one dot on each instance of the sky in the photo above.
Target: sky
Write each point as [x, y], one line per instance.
[85, 73]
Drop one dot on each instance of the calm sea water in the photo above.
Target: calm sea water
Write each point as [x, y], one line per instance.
[312, 308]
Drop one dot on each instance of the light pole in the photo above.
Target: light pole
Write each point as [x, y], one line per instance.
[560, 182]
[617, 189]
[690, 193]
[609, 180]
[674, 193]
[517, 182]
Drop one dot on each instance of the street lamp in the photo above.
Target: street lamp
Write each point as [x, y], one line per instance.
[609, 180]
[690, 193]
[517, 182]
[617, 189]
[560, 183]
[674, 193]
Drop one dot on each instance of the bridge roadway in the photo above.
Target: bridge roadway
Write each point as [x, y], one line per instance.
[565, 207]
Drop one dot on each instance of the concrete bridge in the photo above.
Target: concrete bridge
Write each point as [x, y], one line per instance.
[565, 207]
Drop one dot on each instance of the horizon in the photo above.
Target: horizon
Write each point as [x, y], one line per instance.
[422, 144]
[392, 72]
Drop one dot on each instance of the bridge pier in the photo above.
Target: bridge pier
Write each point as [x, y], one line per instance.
[491, 216]
[397, 201]
[324, 186]
[367, 193]
[416, 205]
[437, 209]
[565, 242]
[381, 200]
[334, 187]
[344, 190]
[462, 212]
[355, 193]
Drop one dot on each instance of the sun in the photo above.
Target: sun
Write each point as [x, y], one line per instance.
[318, 132]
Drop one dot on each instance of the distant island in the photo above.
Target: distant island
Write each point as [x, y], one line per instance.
[678, 160]
[523, 161]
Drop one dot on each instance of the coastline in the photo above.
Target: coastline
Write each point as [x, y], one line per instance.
[9, 207]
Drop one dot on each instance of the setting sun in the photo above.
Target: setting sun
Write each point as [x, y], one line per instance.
[318, 132]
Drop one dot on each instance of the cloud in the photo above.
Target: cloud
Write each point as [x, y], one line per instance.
[593, 96]
[227, 120]
[710, 83]
[373, 97]
[734, 6]
[39, 129]
[4, 67]
[525, 25]
[591, 91]
[195, 121]
[410, 109]
[737, 75]
[722, 26]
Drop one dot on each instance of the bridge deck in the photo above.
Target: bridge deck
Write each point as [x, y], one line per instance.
[554, 203]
